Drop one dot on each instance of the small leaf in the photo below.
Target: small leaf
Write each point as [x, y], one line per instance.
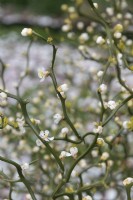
[3, 122]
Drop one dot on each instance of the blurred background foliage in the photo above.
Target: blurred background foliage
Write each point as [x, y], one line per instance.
[50, 7]
[46, 7]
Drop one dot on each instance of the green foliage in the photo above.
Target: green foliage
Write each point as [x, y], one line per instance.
[41, 6]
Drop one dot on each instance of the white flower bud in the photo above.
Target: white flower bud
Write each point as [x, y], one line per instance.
[64, 154]
[128, 181]
[66, 28]
[128, 15]
[3, 95]
[74, 151]
[57, 118]
[71, 35]
[80, 25]
[44, 135]
[100, 142]
[39, 143]
[71, 9]
[99, 129]
[63, 88]
[95, 5]
[64, 130]
[117, 35]
[26, 32]
[100, 40]
[81, 47]
[42, 74]
[104, 156]
[102, 88]
[110, 11]
[84, 37]
[110, 163]
[99, 73]
[25, 166]
[94, 153]
[88, 197]
[112, 105]
[125, 124]
[64, 7]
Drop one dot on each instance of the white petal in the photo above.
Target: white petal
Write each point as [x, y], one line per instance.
[51, 138]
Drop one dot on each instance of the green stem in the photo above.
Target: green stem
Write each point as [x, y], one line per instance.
[128, 193]
[105, 71]
[3, 66]
[85, 188]
[118, 71]
[27, 67]
[22, 178]
[64, 181]
[62, 100]
[68, 140]
[115, 111]
[10, 192]
[80, 157]
[105, 24]
[28, 121]
[102, 106]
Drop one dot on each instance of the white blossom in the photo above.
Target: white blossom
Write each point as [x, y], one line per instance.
[25, 166]
[64, 154]
[117, 35]
[63, 88]
[119, 58]
[21, 123]
[84, 37]
[39, 143]
[100, 40]
[125, 124]
[26, 32]
[95, 5]
[128, 15]
[74, 151]
[104, 156]
[128, 181]
[82, 47]
[71, 9]
[100, 142]
[36, 121]
[109, 138]
[57, 118]
[111, 104]
[64, 130]
[129, 42]
[110, 163]
[80, 25]
[44, 135]
[3, 95]
[3, 98]
[42, 74]
[99, 73]
[110, 11]
[28, 197]
[64, 7]
[88, 197]
[94, 153]
[71, 35]
[66, 28]
[102, 88]
[98, 129]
